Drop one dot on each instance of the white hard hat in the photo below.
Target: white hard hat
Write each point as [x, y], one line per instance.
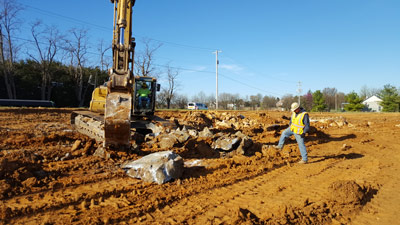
[294, 106]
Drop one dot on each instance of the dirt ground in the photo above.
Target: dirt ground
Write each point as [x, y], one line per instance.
[49, 175]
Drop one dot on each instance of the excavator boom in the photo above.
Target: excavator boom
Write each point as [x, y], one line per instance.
[119, 97]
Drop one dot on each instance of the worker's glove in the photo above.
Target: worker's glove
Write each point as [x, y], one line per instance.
[303, 135]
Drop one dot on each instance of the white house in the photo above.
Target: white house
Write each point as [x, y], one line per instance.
[372, 104]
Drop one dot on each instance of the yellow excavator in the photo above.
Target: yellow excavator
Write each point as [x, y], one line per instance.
[119, 104]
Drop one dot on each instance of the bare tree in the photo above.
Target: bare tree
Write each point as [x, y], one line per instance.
[8, 25]
[200, 97]
[287, 100]
[366, 92]
[227, 100]
[255, 101]
[47, 44]
[180, 101]
[330, 97]
[269, 102]
[144, 60]
[170, 91]
[77, 47]
[102, 50]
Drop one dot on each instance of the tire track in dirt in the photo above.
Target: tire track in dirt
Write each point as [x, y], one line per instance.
[384, 207]
[309, 183]
[132, 211]
[67, 200]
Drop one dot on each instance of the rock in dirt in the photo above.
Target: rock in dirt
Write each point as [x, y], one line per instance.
[102, 153]
[76, 145]
[166, 141]
[245, 144]
[345, 147]
[159, 167]
[193, 133]
[66, 157]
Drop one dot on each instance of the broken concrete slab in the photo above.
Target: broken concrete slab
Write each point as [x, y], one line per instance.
[159, 167]
[206, 133]
[226, 143]
[181, 136]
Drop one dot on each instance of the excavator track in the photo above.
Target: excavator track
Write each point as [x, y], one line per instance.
[88, 123]
[92, 124]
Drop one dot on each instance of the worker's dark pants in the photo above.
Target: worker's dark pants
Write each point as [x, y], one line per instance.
[141, 99]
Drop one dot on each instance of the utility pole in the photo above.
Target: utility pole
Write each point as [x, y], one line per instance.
[216, 71]
[299, 90]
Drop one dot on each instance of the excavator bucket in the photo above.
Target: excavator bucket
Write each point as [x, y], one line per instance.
[117, 123]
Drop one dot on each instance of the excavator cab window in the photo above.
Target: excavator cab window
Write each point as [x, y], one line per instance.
[143, 94]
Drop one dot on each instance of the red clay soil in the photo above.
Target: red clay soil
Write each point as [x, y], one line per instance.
[49, 175]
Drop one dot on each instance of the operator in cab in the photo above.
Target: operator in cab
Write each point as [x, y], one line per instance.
[143, 94]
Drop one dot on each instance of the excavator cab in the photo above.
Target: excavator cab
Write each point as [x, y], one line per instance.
[145, 89]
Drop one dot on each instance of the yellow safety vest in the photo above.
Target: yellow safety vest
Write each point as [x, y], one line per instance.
[297, 125]
[143, 92]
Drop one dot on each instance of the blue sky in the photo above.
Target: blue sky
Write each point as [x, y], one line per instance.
[267, 46]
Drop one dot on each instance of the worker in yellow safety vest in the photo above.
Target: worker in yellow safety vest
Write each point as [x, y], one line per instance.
[299, 125]
[143, 94]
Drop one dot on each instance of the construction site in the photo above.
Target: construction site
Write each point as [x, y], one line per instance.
[52, 174]
[93, 130]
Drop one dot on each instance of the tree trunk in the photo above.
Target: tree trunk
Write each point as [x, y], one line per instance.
[168, 103]
[8, 75]
[80, 87]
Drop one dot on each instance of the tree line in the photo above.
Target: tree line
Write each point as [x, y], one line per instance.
[327, 100]
[55, 66]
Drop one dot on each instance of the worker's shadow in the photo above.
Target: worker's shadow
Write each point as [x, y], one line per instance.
[321, 137]
[340, 156]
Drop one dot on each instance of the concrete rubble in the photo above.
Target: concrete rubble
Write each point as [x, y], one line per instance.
[217, 127]
[159, 167]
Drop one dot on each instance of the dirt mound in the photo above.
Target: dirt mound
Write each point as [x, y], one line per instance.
[346, 192]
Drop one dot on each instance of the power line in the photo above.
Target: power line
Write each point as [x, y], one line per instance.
[250, 68]
[230, 78]
[45, 12]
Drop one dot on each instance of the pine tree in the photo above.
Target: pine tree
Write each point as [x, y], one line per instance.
[390, 99]
[318, 102]
[354, 102]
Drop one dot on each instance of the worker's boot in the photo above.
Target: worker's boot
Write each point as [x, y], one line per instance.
[302, 162]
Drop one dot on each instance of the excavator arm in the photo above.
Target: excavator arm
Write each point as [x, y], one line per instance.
[118, 105]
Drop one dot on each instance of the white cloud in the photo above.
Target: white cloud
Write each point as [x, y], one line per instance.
[232, 67]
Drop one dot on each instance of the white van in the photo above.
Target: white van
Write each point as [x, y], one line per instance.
[195, 105]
